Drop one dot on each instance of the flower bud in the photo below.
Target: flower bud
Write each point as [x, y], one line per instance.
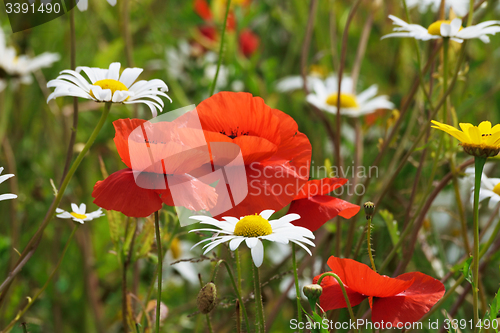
[369, 209]
[312, 291]
[207, 297]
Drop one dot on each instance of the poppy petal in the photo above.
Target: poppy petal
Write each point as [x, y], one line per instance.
[250, 117]
[320, 187]
[202, 8]
[120, 192]
[332, 297]
[410, 305]
[189, 192]
[362, 279]
[123, 128]
[317, 210]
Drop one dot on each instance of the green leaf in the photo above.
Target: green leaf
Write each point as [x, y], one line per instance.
[467, 271]
[494, 308]
[144, 240]
[392, 225]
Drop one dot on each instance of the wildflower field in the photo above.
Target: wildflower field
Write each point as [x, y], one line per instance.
[249, 166]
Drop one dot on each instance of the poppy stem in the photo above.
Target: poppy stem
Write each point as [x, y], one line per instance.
[259, 308]
[479, 165]
[236, 290]
[369, 240]
[221, 49]
[297, 287]
[160, 259]
[341, 284]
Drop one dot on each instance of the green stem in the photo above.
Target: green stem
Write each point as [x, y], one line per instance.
[209, 323]
[165, 249]
[297, 287]
[479, 165]
[446, 43]
[471, 12]
[369, 241]
[221, 49]
[235, 287]
[259, 308]
[238, 282]
[160, 259]
[32, 300]
[34, 241]
[341, 284]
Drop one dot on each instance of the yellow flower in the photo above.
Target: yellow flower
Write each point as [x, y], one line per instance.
[482, 140]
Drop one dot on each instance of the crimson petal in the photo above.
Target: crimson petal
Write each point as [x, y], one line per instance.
[332, 296]
[317, 210]
[120, 192]
[362, 279]
[410, 305]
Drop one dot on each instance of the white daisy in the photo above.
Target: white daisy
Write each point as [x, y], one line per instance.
[78, 214]
[325, 98]
[19, 67]
[3, 178]
[439, 29]
[295, 82]
[253, 229]
[460, 7]
[83, 5]
[490, 188]
[107, 85]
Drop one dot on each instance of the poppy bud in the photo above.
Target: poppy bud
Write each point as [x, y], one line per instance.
[312, 291]
[207, 297]
[369, 209]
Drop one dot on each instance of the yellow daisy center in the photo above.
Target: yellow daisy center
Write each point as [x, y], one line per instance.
[347, 101]
[79, 216]
[435, 28]
[496, 189]
[110, 84]
[253, 226]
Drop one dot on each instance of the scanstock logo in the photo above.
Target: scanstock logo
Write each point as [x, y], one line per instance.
[171, 154]
[26, 14]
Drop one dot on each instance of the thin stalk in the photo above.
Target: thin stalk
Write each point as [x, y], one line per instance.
[35, 240]
[259, 308]
[341, 284]
[221, 49]
[460, 206]
[369, 240]
[478, 167]
[72, 139]
[238, 283]
[297, 287]
[32, 300]
[158, 244]
[235, 287]
[165, 249]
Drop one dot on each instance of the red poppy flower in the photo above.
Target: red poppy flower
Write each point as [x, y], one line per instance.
[315, 207]
[121, 190]
[202, 8]
[249, 42]
[276, 155]
[404, 299]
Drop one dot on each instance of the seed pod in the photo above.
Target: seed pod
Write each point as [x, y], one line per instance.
[369, 209]
[313, 291]
[207, 297]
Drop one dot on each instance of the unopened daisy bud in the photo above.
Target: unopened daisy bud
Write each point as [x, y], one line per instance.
[369, 209]
[313, 291]
[207, 298]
